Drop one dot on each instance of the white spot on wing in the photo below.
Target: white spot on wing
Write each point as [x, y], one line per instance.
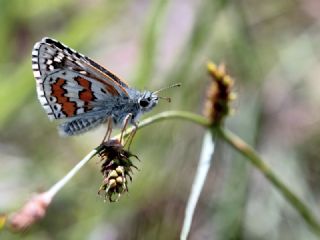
[80, 110]
[47, 108]
[57, 59]
[36, 74]
[40, 92]
[57, 107]
[36, 46]
[43, 101]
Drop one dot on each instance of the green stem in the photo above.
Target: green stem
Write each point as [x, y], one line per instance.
[62, 182]
[184, 115]
[255, 159]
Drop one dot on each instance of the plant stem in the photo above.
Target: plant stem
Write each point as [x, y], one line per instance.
[191, 117]
[198, 182]
[60, 184]
[255, 159]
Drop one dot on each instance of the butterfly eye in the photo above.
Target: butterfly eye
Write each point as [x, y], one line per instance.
[144, 103]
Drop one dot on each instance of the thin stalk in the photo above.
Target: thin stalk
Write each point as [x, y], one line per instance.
[151, 38]
[255, 159]
[198, 182]
[60, 184]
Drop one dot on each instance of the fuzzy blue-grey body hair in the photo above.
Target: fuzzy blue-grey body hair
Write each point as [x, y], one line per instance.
[117, 108]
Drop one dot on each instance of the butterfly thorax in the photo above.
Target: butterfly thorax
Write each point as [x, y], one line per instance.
[136, 104]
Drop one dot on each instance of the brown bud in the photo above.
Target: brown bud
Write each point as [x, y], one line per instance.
[34, 210]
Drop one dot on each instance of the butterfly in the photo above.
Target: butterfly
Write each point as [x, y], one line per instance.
[77, 90]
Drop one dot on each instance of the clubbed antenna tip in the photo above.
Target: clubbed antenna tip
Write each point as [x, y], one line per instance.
[166, 98]
[165, 88]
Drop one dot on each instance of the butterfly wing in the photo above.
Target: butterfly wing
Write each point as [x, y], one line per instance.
[69, 83]
[81, 125]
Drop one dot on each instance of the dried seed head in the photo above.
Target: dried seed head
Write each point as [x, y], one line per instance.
[219, 94]
[116, 167]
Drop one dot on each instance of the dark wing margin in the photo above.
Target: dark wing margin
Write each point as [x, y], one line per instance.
[79, 55]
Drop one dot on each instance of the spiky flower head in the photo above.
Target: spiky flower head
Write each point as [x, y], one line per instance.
[219, 94]
[116, 168]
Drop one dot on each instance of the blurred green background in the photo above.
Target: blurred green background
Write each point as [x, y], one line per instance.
[270, 47]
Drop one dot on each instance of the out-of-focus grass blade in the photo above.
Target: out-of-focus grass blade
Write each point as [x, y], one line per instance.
[3, 219]
[150, 39]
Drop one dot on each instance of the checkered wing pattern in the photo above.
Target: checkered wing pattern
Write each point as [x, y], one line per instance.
[70, 84]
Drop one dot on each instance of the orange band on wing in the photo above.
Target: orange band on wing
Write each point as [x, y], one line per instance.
[68, 108]
[86, 94]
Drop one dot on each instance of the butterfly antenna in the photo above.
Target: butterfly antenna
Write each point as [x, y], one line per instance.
[165, 98]
[165, 88]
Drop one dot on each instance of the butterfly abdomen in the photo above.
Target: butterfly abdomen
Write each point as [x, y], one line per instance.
[78, 126]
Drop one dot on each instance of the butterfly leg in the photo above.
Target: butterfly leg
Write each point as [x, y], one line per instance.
[108, 132]
[127, 119]
[132, 134]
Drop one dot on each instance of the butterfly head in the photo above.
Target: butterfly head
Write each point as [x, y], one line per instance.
[147, 101]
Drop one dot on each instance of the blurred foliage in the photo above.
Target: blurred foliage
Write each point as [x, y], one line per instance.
[270, 47]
